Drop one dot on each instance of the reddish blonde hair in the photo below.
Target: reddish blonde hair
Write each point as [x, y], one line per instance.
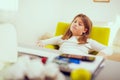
[88, 25]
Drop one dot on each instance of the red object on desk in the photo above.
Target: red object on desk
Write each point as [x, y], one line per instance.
[44, 59]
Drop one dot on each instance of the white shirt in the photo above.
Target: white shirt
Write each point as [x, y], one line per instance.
[71, 45]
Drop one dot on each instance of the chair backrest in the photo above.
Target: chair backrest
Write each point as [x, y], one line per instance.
[98, 33]
[61, 28]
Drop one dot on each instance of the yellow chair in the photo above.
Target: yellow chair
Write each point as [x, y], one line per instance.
[98, 33]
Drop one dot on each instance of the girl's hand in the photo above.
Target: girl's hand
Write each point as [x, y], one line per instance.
[40, 44]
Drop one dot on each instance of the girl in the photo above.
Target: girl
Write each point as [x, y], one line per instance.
[76, 40]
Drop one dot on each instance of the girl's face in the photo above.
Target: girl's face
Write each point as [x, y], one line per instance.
[77, 27]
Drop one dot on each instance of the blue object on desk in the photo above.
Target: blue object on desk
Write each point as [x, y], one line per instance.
[69, 60]
[76, 61]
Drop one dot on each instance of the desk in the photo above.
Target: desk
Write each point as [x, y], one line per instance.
[110, 71]
[34, 50]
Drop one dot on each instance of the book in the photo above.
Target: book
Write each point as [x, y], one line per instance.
[68, 62]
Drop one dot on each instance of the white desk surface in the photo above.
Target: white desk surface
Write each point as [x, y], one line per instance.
[34, 50]
[110, 71]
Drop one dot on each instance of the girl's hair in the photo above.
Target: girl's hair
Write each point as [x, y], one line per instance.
[88, 25]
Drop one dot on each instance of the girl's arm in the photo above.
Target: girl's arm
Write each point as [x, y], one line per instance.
[54, 41]
[102, 49]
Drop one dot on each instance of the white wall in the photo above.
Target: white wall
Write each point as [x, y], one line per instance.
[36, 17]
